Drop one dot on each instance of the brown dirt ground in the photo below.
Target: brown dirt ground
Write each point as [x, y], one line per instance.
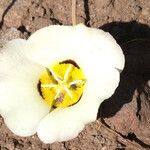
[124, 119]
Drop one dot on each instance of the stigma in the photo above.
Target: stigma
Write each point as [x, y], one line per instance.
[62, 85]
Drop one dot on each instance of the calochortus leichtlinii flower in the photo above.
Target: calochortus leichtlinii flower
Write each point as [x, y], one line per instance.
[54, 82]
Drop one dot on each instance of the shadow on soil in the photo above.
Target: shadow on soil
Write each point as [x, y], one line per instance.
[134, 38]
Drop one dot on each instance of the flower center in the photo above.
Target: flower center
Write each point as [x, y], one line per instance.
[62, 85]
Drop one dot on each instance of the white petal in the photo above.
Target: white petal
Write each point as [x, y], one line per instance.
[97, 91]
[14, 64]
[58, 43]
[10, 55]
[16, 72]
[95, 51]
[20, 104]
[24, 119]
[60, 125]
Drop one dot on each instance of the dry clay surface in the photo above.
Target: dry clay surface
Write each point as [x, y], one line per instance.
[123, 121]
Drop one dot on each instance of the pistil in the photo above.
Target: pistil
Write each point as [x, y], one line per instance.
[65, 94]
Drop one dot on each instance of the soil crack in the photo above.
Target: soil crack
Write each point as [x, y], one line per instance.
[138, 106]
[133, 137]
[5, 12]
[87, 13]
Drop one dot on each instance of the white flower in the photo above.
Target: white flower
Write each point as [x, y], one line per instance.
[23, 63]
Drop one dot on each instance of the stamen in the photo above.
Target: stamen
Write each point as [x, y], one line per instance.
[60, 98]
[56, 77]
[48, 85]
[57, 94]
[76, 82]
[68, 92]
[67, 72]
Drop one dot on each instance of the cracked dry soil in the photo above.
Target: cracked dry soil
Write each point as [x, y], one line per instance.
[123, 121]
